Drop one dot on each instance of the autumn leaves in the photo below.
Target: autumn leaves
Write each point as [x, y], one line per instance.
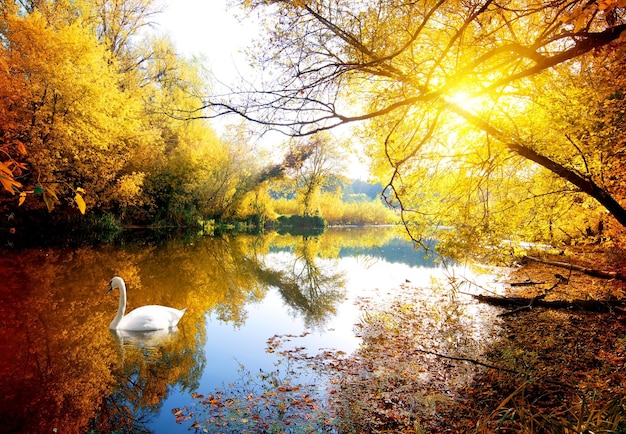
[90, 108]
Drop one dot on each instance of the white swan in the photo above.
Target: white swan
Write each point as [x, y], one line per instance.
[144, 318]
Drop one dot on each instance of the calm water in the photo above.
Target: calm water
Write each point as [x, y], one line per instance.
[62, 370]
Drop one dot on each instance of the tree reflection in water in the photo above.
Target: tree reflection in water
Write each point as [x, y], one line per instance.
[62, 369]
[149, 365]
[409, 345]
[310, 285]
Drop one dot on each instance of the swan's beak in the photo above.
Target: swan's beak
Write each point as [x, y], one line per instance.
[109, 290]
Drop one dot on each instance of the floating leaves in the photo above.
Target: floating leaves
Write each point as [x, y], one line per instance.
[275, 401]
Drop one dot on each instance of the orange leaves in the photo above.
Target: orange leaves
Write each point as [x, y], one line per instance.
[583, 15]
[181, 415]
[266, 402]
[9, 183]
[7, 179]
[21, 148]
[611, 4]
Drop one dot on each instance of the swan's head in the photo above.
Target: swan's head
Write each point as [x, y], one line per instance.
[115, 283]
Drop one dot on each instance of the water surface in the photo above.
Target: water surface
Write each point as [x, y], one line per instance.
[63, 370]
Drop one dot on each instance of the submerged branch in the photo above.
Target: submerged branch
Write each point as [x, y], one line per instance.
[491, 366]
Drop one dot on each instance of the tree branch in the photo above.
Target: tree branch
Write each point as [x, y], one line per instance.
[526, 302]
[588, 42]
[584, 184]
[489, 366]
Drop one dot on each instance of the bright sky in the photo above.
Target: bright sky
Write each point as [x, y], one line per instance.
[209, 29]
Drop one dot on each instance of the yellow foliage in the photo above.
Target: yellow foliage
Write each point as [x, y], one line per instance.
[97, 105]
[338, 212]
[129, 189]
[484, 121]
[256, 203]
[72, 110]
[286, 206]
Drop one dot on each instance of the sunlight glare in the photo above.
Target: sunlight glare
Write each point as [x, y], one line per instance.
[464, 100]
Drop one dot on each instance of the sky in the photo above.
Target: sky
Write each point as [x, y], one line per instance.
[210, 29]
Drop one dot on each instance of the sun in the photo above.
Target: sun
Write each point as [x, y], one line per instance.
[464, 100]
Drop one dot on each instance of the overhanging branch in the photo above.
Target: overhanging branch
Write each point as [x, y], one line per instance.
[586, 185]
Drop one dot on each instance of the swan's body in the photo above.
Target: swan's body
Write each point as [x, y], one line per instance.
[145, 318]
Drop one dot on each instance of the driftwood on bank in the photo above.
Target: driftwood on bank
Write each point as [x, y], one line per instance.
[585, 270]
[518, 304]
[527, 303]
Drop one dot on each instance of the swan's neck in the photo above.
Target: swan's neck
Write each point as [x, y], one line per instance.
[121, 309]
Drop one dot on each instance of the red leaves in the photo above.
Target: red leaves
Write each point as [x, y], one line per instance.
[269, 401]
[182, 414]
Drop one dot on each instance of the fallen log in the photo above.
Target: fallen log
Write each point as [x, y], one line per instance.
[585, 270]
[527, 303]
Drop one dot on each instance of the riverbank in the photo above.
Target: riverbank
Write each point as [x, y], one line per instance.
[573, 362]
[541, 370]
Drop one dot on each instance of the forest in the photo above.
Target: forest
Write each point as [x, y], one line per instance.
[97, 132]
[508, 128]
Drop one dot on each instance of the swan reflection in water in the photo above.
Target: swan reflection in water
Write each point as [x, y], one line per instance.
[150, 365]
[142, 381]
[148, 339]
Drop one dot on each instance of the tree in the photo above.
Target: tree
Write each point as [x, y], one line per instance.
[118, 22]
[322, 162]
[71, 116]
[12, 91]
[447, 91]
[89, 104]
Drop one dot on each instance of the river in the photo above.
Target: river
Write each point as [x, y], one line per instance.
[64, 371]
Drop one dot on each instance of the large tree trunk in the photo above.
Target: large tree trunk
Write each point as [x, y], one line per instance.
[585, 184]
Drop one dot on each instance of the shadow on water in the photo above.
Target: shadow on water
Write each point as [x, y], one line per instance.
[62, 369]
